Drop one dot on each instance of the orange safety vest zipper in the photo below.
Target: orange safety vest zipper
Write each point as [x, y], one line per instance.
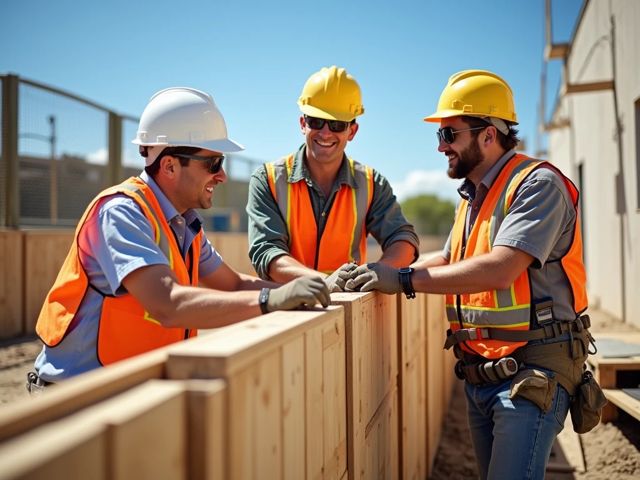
[511, 308]
[344, 238]
[125, 328]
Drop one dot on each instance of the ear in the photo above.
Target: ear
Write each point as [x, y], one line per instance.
[168, 166]
[353, 129]
[303, 124]
[489, 135]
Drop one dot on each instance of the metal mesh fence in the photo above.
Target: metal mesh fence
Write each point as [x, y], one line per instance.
[62, 149]
[63, 160]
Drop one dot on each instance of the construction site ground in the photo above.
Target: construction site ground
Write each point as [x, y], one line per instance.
[611, 451]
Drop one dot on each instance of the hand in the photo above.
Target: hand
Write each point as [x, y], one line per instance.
[374, 276]
[336, 281]
[301, 292]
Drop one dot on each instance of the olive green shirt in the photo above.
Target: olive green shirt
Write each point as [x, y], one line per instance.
[268, 233]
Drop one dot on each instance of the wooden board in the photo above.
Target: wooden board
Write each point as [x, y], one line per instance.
[11, 284]
[80, 392]
[623, 401]
[412, 387]
[207, 426]
[372, 369]
[44, 253]
[71, 449]
[234, 249]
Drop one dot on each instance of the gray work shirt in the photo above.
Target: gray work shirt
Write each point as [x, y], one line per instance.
[268, 235]
[540, 222]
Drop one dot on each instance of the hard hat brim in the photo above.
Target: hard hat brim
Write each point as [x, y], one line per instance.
[222, 145]
[316, 112]
[437, 116]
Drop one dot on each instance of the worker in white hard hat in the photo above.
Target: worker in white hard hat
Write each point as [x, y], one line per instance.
[141, 273]
[514, 282]
[312, 210]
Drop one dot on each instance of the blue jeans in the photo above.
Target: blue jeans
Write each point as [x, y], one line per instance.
[512, 438]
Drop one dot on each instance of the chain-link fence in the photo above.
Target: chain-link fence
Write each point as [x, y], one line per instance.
[59, 150]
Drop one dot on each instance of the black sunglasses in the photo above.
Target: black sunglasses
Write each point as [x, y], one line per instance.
[448, 134]
[214, 163]
[335, 126]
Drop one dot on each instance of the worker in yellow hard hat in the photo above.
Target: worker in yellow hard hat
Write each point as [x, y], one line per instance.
[312, 210]
[514, 279]
[141, 273]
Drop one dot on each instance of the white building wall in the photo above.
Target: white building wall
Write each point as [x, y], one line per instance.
[612, 240]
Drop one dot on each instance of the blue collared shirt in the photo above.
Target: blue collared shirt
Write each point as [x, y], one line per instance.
[112, 243]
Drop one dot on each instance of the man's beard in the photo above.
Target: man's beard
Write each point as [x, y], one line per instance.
[468, 159]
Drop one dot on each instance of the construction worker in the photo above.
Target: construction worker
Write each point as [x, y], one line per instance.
[514, 280]
[141, 273]
[312, 210]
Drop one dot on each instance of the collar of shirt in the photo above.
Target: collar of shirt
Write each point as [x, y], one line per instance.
[301, 172]
[177, 221]
[467, 189]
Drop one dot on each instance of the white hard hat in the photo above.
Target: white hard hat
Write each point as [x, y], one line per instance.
[183, 117]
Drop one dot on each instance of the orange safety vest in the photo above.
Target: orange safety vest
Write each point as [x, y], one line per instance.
[125, 328]
[511, 308]
[345, 235]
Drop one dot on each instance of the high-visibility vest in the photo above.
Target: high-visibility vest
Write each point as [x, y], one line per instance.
[125, 328]
[510, 308]
[344, 238]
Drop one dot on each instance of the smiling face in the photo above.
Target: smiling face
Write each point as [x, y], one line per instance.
[324, 146]
[464, 154]
[194, 184]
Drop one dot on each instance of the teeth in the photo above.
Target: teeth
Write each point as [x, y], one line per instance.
[324, 144]
[209, 189]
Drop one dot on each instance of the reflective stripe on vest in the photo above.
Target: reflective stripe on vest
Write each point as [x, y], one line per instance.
[344, 238]
[509, 308]
[125, 328]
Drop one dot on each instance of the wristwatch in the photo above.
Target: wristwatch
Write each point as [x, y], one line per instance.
[405, 281]
[263, 299]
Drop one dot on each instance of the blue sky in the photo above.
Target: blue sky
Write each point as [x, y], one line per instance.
[254, 57]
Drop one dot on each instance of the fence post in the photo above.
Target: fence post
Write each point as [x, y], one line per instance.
[114, 165]
[11, 185]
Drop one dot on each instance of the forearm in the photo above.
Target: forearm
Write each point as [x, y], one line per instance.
[285, 268]
[491, 271]
[194, 307]
[398, 254]
[249, 282]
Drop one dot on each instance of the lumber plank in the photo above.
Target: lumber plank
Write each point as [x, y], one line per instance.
[624, 401]
[11, 284]
[207, 425]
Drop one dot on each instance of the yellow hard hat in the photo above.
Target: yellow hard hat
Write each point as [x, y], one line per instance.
[477, 93]
[332, 94]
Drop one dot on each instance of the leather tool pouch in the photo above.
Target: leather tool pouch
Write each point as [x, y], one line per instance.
[586, 408]
[536, 386]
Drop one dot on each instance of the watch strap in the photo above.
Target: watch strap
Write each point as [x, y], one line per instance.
[263, 299]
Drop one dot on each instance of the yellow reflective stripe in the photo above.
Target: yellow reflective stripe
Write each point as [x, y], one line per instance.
[499, 309]
[149, 318]
[354, 205]
[493, 325]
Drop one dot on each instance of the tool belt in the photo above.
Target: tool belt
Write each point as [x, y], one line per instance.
[550, 330]
[565, 358]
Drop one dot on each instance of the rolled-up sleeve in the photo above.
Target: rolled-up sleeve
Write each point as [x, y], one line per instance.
[385, 220]
[267, 230]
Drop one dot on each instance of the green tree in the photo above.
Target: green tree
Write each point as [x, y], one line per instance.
[429, 214]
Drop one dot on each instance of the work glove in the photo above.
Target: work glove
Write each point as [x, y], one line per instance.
[374, 276]
[335, 282]
[301, 292]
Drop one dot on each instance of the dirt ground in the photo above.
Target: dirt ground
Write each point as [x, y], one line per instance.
[611, 451]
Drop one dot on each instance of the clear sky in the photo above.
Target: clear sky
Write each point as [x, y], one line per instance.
[254, 57]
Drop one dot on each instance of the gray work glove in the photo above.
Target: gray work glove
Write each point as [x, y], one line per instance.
[301, 292]
[336, 281]
[374, 276]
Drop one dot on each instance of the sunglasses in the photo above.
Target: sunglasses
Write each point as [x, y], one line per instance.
[335, 126]
[214, 163]
[448, 134]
